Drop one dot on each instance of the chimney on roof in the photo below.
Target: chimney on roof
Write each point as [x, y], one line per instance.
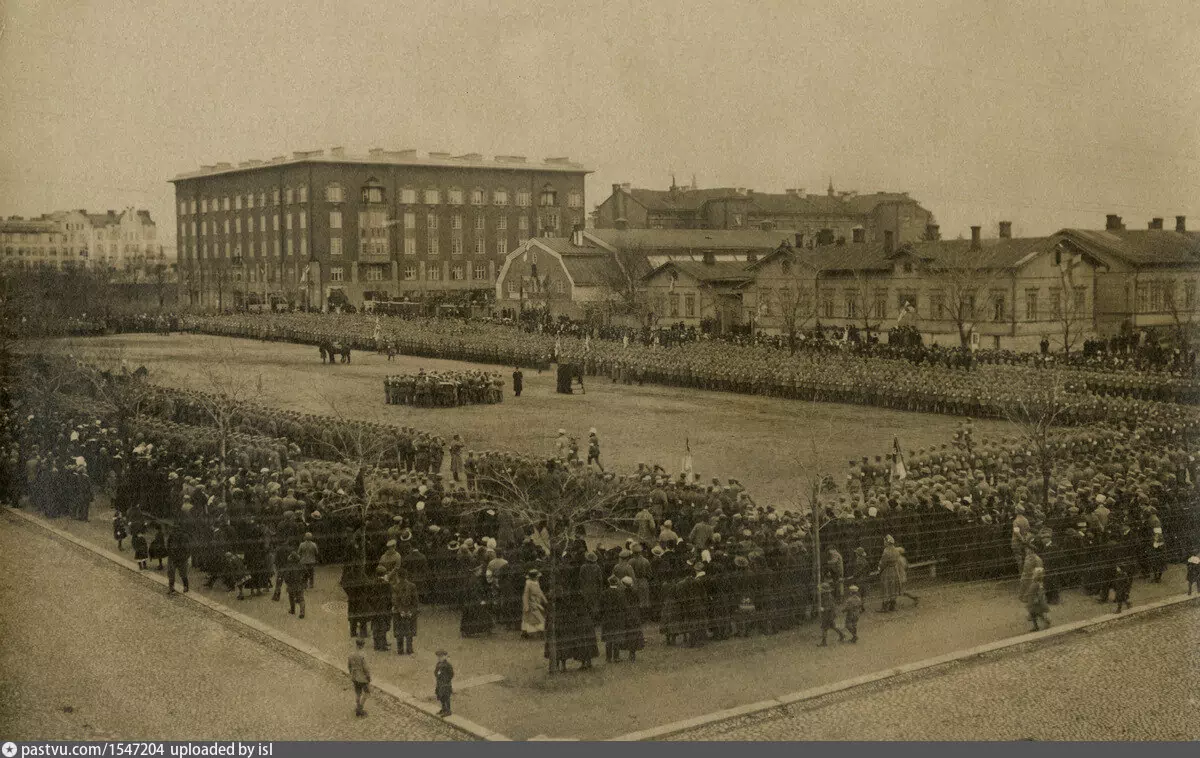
[1005, 230]
[889, 241]
[577, 235]
[975, 233]
[1181, 223]
[1155, 223]
[618, 210]
[858, 235]
[1112, 223]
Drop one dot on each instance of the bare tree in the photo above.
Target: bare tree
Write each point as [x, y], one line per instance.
[1038, 411]
[225, 389]
[962, 282]
[362, 447]
[565, 502]
[128, 393]
[1183, 314]
[622, 284]
[1068, 301]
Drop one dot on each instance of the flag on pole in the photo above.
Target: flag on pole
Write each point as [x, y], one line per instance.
[898, 469]
[686, 467]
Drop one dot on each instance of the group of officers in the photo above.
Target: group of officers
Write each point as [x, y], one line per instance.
[443, 389]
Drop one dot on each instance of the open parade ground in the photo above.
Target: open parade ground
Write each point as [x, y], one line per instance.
[764, 442]
[501, 682]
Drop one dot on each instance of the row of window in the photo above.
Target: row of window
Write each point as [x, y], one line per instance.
[336, 193]
[372, 223]
[458, 273]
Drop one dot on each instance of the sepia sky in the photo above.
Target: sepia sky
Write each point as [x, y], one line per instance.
[1046, 114]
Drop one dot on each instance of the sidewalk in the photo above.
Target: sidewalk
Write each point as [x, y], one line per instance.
[502, 684]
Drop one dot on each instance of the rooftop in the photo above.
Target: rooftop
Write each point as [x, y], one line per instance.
[683, 239]
[378, 156]
[793, 202]
[1141, 247]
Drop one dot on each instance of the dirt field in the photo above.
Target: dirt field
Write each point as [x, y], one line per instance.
[763, 442]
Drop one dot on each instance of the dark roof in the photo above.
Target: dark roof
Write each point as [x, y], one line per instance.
[707, 272]
[590, 270]
[689, 239]
[993, 253]
[28, 226]
[1141, 247]
[686, 199]
[564, 246]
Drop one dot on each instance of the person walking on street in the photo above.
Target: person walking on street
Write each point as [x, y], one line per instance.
[853, 609]
[518, 381]
[293, 576]
[828, 615]
[1036, 604]
[1122, 584]
[309, 555]
[360, 675]
[443, 677]
[178, 555]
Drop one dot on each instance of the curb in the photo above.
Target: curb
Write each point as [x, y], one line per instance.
[464, 725]
[666, 730]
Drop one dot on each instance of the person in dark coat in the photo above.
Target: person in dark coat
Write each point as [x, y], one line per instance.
[141, 546]
[635, 638]
[157, 547]
[476, 607]
[178, 554]
[591, 585]
[853, 610]
[693, 603]
[352, 583]
[443, 677]
[294, 576]
[613, 616]
[405, 607]
[569, 622]
[1122, 584]
[1193, 573]
[379, 606]
[828, 615]
[518, 380]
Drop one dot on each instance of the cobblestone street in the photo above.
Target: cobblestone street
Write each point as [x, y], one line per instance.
[92, 653]
[1130, 681]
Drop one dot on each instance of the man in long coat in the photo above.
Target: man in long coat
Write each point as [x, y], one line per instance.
[889, 575]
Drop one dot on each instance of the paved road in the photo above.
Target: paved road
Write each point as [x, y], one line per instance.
[91, 652]
[1130, 681]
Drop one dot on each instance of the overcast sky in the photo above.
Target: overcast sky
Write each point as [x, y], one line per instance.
[1047, 114]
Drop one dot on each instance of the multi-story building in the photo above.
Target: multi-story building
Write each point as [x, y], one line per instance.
[823, 219]
[122, 241]
[322, 229]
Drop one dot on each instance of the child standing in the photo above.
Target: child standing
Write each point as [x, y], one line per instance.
[1122, 583]
[360, 675]
[443, 675]
[853, 610]
[1037, 606]
[120, 529]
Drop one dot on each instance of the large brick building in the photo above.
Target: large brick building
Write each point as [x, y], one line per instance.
[326, 228]
[823, 219]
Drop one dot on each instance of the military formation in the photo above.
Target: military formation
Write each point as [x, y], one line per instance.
[443, 389]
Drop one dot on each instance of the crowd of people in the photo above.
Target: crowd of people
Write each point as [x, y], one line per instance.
[443, 389]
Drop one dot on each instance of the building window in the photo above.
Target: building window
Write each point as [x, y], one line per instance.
[523, 223]
[1056, 302]
[275, 221]
[477, 196]
[431, 221]
[373, 232]
[454, 196]
[1189, 294]
[513, 289]
[336, 274]
[408, 196]
[880, 306]
[304, 247]
[480, 272]
[302, 193]
[523, 198]
[574, 199]
[851, 298]
[204, 205]
[225, 204]
[998, 310]
[182, 208]
[288, 222]
[410, 272]
[905, 300]
[335, 245]
[827, 303]
[193, 206]
[673, 300]
[480, 246]
[374, 273]
[277, 246]
[262, 222]
[502, 245]
[334, 193]
[456, 246]
[372, 195]
[335, 219]
[689, 305]
[1031, 305]
[502, 223]
[434, 247]
[1080, 303]
[288, 196]
[549, 223]
[456, 272]
[479, 222]
[291, 247]
[500, 197]
[456, 222]
[226, 226]
[433, 197]
[237, 226]
[548, 198]
[250, 225]
[434, 273]
[410, 246]
[303, 219]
